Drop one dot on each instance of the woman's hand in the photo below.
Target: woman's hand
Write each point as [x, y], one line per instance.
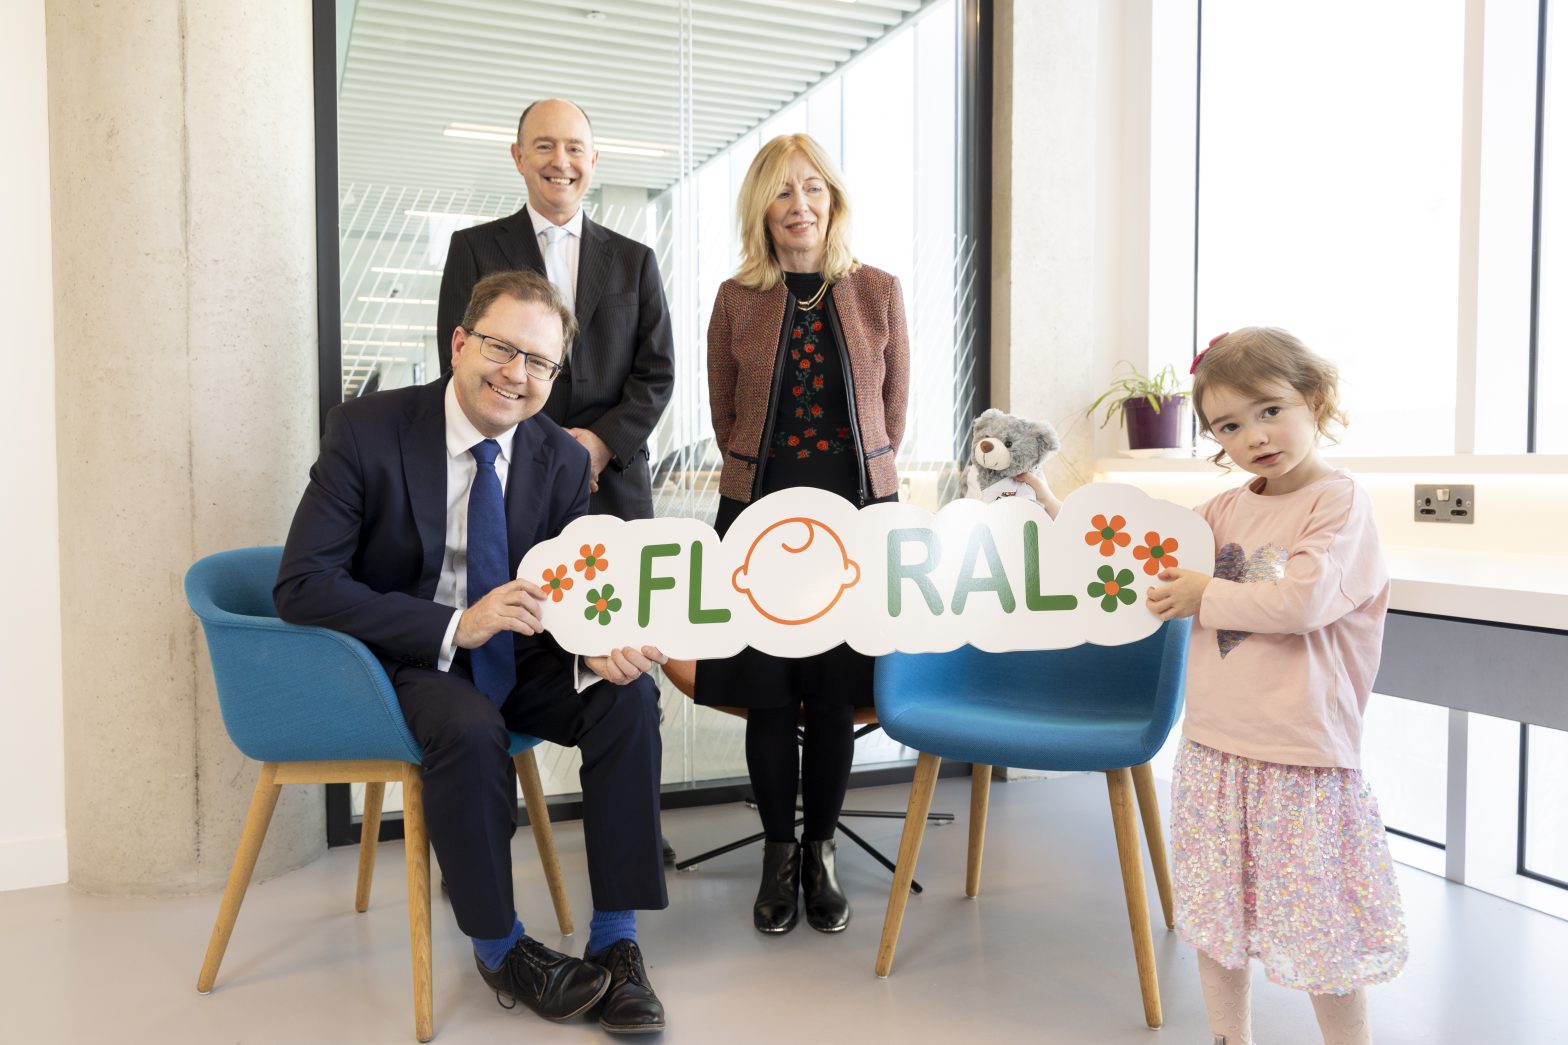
[1181, 595]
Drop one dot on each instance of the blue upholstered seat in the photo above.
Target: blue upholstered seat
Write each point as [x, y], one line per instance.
[290, 693]
[1102, 708]
[1084, 708]
[314, 706]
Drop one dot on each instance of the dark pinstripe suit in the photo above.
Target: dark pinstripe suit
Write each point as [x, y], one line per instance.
[621, 369]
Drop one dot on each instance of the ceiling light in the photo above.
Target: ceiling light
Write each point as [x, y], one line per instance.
[395, 300]
[506, 135]
[404, 272]
[449, 215]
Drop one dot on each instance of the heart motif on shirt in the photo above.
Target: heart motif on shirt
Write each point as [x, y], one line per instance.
[1232, 563]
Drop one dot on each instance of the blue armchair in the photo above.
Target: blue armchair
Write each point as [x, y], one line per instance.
[1101, 708]
[314, 706]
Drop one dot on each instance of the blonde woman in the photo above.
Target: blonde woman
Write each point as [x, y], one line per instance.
[808, 376]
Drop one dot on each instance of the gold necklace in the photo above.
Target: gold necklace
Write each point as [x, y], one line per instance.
[816, 299]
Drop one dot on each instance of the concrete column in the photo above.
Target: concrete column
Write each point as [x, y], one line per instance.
[184, 288]
[1070, 211]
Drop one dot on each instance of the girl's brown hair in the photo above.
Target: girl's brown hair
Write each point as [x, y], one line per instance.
[1258, 361]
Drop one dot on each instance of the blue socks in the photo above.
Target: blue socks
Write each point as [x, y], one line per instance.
[493, 952]
[605, 928]
[608, 927]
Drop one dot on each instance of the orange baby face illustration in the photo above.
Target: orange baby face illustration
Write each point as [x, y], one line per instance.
[796, 571]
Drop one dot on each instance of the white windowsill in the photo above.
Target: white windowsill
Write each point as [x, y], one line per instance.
[1445, 465]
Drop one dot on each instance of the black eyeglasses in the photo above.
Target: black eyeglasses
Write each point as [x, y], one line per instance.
[497, 351]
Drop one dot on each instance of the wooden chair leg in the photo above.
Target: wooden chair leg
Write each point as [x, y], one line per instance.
[544, 837]
[262, 803]
[1154, 836]
[920, 793]
[416, 846]
[979, 805]
[1119, 782]
[369, 835]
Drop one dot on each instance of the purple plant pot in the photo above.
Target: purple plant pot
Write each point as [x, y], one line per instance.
[1148, 430]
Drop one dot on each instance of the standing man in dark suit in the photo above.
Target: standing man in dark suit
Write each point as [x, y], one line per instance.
[408, 537]
[622, 369]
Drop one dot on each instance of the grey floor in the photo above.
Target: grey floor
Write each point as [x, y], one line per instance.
[1042, 956]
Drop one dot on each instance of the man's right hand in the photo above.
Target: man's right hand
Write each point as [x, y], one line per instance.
[514, 606]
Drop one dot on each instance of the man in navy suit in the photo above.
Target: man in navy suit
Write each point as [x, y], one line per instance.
[414, 489]
[622, 370]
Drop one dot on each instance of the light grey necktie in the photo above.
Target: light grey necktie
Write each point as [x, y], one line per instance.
[556, 268]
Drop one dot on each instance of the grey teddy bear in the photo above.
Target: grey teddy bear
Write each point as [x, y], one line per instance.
[1003, 446]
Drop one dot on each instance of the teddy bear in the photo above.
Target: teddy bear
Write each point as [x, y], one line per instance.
[1004, 446]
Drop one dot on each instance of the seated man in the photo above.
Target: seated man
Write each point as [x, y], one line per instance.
[417, 512]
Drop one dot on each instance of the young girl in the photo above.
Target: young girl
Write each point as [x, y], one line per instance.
[1278, 849]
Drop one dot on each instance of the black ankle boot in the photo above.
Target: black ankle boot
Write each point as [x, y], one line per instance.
[778, 897]
[827, 909]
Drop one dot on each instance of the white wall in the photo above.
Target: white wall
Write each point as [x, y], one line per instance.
[32, 744]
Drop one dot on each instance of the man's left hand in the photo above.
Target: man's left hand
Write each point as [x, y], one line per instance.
[599, 454]
[625, 664]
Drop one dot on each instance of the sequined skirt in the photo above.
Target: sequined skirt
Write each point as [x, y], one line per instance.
[1286, 864]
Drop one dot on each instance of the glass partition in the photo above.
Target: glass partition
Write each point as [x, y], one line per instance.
[681, 93]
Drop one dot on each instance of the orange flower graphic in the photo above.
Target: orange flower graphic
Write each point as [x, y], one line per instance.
[1108, 535]
[556, 582]
[592, 562]
[1157, 552]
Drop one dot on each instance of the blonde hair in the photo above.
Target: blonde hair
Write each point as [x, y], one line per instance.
[1257, 362]
[759, 267]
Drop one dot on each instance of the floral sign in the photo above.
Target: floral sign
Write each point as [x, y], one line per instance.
[801, 571]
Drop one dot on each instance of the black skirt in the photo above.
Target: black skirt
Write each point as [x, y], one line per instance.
[752, 679]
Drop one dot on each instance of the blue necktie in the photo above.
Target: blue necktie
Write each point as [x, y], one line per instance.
[493, 664]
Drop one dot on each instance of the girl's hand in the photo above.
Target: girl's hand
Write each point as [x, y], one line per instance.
[1042, 492]
[1181, 595]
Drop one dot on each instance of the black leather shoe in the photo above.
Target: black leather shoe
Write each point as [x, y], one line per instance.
[555, 985]
[827, 909]
[630, 1006]
[778, 897]
[669, 851]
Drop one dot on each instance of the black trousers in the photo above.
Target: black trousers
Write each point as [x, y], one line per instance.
[469, 790]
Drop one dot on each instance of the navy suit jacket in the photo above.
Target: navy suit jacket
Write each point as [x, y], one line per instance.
[621, 370]
[364, 553]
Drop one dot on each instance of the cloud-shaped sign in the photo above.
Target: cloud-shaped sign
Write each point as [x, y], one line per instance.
[801, 571]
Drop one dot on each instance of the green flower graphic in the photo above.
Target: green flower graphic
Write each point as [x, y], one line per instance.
[602, 603]
[1109, 589]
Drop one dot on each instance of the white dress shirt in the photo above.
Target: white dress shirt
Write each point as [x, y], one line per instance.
[571, 251]
[452, 588]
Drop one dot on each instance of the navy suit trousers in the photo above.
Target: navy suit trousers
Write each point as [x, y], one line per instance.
[470, 795]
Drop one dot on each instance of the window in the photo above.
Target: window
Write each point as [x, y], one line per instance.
[682, 93]
[1404, 754]
[1551, 342]
[1329, 180]
[1543, 819]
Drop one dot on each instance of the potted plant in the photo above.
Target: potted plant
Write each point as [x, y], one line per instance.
[1153, 408]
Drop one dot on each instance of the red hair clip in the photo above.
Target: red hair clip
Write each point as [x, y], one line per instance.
[1199, 357]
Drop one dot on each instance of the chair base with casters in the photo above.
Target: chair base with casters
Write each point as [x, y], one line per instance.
[683, 676]
[1103, 709]
[314, 706]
